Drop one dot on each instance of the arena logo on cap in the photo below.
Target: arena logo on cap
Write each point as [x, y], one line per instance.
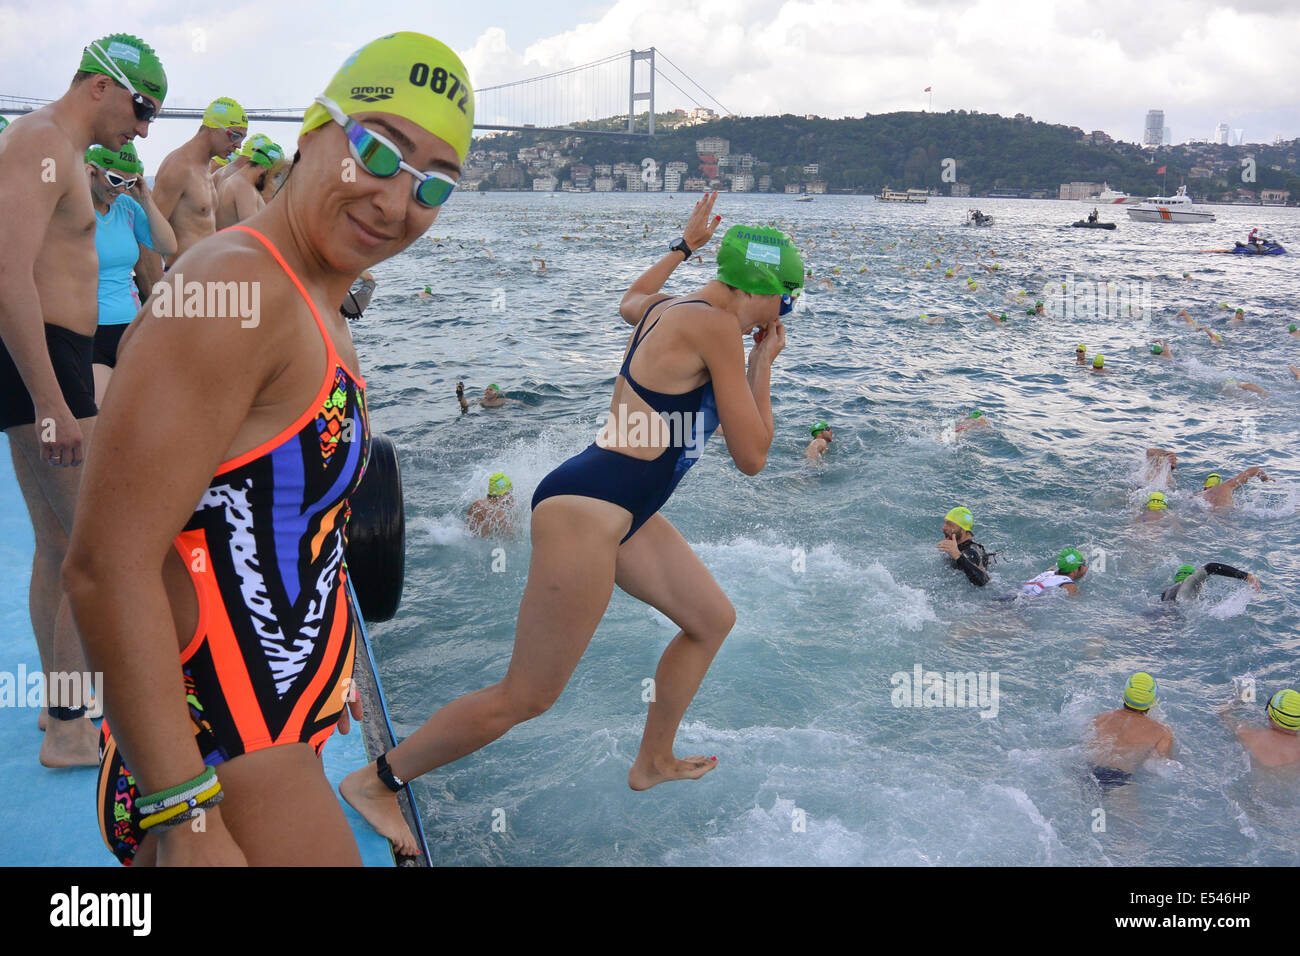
[372, 94]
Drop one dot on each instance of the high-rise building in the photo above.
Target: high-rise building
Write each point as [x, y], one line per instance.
[1221, 134]
[1166, 137]
[1154, 131]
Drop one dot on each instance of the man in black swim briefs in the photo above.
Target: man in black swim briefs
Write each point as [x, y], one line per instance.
[48, 316]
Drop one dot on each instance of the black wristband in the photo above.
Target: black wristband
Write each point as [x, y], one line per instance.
[681, 246]
[385, 772]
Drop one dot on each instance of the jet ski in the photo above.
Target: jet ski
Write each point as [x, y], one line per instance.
[1087, 224]
[1267, 248]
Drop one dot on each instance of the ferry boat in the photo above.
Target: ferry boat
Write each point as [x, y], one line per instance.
[1176, 208]
[896, 195]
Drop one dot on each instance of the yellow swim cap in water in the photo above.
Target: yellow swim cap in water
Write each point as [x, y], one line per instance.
[1213, 480]
[224, 113]
[1156, 501]
[961, 517]
[499, 485]
[1284, 709]
[1140, 692]
[1098, 361]
[411, 75]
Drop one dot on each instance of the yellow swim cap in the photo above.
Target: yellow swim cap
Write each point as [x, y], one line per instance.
[1213, 480]
[961, 517]
[225, 113]
[498, 485]
[1284, 709]
[410, 75]
[1140, 692]
[1156, 501]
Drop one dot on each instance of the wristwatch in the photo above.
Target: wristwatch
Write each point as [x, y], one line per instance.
[681, 246]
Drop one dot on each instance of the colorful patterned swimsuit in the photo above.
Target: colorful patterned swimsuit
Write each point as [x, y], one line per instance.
[270, 661]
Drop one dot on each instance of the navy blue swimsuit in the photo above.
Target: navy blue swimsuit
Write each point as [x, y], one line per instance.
[641, 487]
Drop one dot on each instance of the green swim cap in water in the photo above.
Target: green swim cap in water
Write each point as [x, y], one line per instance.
[499, 485]
[818, 428]
[131, 57]
[1069, 560]
[961, 517]
[1004, 316]
[1291, 329]
[976, 413]
[760, 260]
[125, 160]
[1185, 571]
[410, 75]
[1284, 709]
[1156, 349]
[1140, 692]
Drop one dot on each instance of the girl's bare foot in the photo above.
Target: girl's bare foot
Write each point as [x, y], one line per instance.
[647, 772]
[367, 794]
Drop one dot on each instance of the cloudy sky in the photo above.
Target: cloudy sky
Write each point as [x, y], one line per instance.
[1097, 64]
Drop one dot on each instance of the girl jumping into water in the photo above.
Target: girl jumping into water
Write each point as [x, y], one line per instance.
[596, 520]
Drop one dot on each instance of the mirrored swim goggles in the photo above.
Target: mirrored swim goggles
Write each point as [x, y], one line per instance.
[379, 157]
[145, 111]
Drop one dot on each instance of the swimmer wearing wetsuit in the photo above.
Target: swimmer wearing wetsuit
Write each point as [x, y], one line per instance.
[1123, 739]
[1188, 581]
[597, 521]
[959, 544]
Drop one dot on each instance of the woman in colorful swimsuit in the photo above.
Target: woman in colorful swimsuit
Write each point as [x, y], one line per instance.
[206, 565]
[596, 520]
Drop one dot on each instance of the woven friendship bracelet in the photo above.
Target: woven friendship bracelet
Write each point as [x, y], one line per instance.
[181, 793]
[173, 814]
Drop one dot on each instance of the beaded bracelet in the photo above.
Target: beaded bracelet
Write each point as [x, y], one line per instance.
[181, 793]
[179, 812]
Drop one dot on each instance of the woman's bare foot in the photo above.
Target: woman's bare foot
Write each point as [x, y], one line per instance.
[70, 743]
[647, 772]
[367, 794]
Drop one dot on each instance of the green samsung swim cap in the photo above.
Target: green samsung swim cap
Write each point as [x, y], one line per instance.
[1140, 692]
[250, 144]
[1183, 572]
[410, 75]
[1284, 709]
[760, 260]
[961, 517]
[818, 428]
[266, 154]
[499, 485]
[4, 124]
[129, 56]
[1069, 560]
[125, 160]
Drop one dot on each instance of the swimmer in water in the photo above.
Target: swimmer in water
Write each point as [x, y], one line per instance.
[492, 398]
[959, 544]
[1123, 739]
[1070, 569]
[1037, 309]
[977, 419]
[539, 264]
[1081, 355]
[1278, 744]
[1293, 330]
[1099, 364]
[1156, 460]
[821, 441]
[996, 318]
[1188, 581]
[493, 514]
[597, 521]
[1156, 507]
[1219, 492]
[1246, 387]
[1161, 350]
[1238, 317]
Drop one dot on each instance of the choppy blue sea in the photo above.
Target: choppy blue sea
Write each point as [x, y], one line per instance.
[833, 567]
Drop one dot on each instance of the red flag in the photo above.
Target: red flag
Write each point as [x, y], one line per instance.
[926, 90]
[1160, 171]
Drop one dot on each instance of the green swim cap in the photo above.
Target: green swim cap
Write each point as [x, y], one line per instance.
[1291, 329]
[976, 413]
[1039, 303]
[1284, 709]
[818, 428]
[410, 75]
[1156, 501]
[760, 260]
[1098, 361]
[961, 517]
[252, 143]
[499, 485]
[1183, 572]
[130, 56]
[1140, 692]
[1069, 560]
[4, 123]
[266, 154]
[224, 113]
[124, 160]
[1004, 316]
[1156, 349]
[1213, 479]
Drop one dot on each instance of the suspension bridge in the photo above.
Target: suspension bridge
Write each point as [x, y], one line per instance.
[614, 96]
